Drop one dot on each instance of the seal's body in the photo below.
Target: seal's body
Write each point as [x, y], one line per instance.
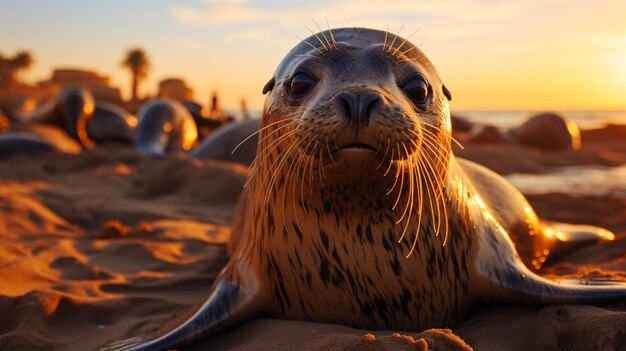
[88, 121]
[228, 143]
[111, 123]
[71, 111]
[165, 125]
[358, 213]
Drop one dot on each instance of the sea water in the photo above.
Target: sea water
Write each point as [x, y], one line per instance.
[508, 119]
[579, 180]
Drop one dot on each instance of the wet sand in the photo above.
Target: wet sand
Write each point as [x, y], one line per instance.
[110, 244]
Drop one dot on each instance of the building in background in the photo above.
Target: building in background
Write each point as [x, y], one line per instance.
[97, 84]
[175, 88]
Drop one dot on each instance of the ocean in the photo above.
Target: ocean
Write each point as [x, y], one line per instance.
[584, 119]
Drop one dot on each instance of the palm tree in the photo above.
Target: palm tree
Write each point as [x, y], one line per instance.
[137, 62]
[22, 61]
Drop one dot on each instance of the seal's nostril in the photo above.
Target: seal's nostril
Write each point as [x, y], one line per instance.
[347, 103]
[369, 102]
[357, 108]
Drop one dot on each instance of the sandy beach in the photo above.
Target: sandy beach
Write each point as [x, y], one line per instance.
[110, 244]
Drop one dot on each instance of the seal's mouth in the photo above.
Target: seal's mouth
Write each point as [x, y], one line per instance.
[357, 147]
[354, 152]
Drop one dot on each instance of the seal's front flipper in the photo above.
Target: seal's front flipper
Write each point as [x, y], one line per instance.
[235, 298]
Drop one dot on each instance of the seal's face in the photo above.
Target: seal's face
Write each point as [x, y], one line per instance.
[364, 94]
[357, 100]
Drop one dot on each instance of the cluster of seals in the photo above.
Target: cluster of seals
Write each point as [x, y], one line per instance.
[161, 126]
[69, 111]
[358, 213]
[67, 123]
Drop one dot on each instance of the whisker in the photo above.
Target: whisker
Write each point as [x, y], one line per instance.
[318, 38]
[329, 153]
[321, 31]
[403, 53]
[401, 182]
[278, 170]
[311, 169]
[390, 163]
[266, 151]
[302, 168]
[410, 178]
[386, 151]
[311, 45]
[394, 39]
[332, 37]
[395, 181]
[257, 132]
[404, 42]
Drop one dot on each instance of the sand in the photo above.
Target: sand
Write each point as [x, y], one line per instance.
[109, 244]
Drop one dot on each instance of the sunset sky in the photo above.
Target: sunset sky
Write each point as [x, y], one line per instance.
[493, 55]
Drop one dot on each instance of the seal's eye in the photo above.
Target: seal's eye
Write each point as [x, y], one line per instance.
[417, 89]
[300, 84]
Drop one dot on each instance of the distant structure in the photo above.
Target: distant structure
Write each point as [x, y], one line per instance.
[175, 88]
[9, 68]
[215, 108]
[16, 95]
[245, 113]
[7, 74]
[97, 84]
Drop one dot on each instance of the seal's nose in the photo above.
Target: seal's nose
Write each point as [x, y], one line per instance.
[357, 108]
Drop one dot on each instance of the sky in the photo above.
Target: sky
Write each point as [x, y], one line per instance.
[492, 55]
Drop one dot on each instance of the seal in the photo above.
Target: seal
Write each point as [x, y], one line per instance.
[14, 144]
[358, 213]
[111, 122]
[235, 142]
[165, 125]
[71, 110]
[487, 134]
[40, 140]
[548, 132]
[206, 125]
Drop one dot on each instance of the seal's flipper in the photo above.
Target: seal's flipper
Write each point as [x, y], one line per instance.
[504, 278]
[563, 238]
[578, 232]
[235, 298]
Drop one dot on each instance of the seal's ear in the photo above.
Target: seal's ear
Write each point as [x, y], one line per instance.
[269, 86]
[446, 92]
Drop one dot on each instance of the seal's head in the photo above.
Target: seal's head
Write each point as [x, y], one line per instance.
[354, 98]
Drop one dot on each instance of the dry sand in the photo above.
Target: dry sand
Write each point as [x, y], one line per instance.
[110, 244]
